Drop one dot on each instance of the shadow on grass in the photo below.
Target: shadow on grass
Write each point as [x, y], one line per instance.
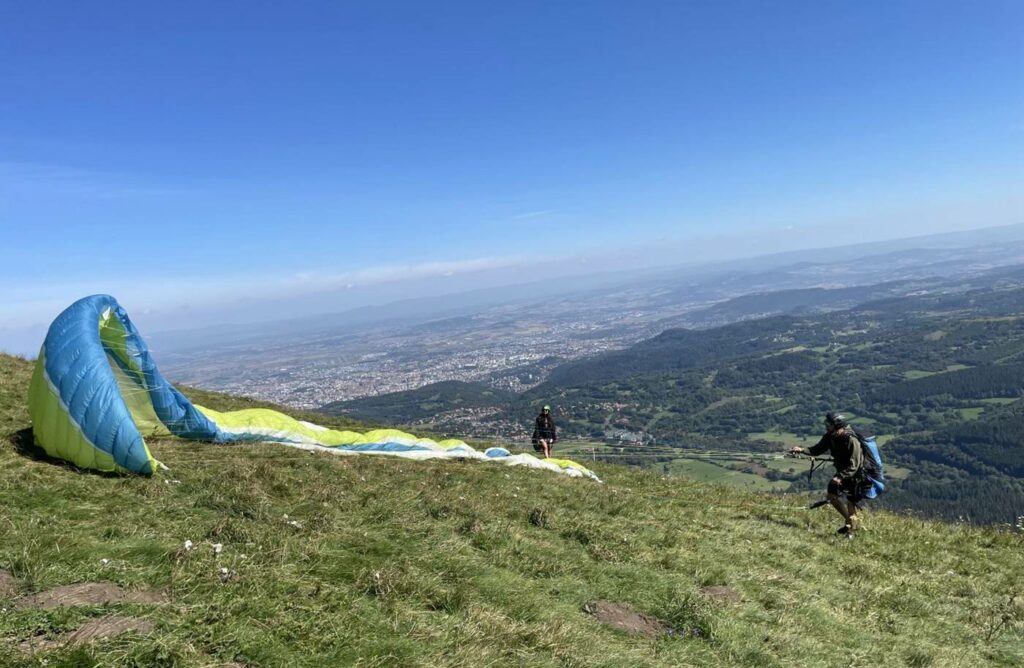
[24, 443]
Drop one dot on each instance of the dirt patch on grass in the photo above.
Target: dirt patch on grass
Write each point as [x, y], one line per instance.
[8, 585]
[107, 627]
[722, 594]
[90, 593]
[94, 629]
[624, 618]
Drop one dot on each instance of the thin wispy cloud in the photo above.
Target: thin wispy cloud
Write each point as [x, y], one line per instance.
[530, 215]
[41, 301]
[392, 273]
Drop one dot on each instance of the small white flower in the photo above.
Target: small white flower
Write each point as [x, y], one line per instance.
[188, 545]
[217, 548]
[104, 562]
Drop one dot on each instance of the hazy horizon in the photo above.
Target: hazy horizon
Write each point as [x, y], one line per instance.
[492, 282]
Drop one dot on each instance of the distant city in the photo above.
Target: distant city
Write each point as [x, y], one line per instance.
[507, 347]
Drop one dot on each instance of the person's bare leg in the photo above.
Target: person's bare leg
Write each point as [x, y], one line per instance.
[841, 506]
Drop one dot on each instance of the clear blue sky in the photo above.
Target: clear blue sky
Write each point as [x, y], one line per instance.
[153, 149]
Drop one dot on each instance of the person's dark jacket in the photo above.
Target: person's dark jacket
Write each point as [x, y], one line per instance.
[845, 450]
[544, 427]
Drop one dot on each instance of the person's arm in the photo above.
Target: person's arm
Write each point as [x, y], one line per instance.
[816, 449]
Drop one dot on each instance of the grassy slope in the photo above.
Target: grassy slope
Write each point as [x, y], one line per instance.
[403, 563]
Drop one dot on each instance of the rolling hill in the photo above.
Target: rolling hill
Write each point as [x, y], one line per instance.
[935, 373]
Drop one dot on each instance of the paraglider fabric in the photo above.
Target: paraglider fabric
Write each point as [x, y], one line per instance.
[96, 394]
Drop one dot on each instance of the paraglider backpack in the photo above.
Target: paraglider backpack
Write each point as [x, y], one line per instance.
[872, 472]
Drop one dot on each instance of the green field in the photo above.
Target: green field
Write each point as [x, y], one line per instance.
[784, 439]
[999, 401]
[974, 412]
[970, 413]
[917, 373]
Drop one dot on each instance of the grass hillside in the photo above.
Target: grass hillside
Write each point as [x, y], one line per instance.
[332, 561]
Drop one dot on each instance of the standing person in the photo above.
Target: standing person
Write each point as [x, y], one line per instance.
[844, 489]
[544, 434]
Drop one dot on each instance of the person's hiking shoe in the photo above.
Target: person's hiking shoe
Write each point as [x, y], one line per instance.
[844, 530]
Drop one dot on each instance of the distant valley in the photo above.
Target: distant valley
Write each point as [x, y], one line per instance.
[513, 343]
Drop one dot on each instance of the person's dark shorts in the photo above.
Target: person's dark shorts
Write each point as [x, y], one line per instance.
[848, 489]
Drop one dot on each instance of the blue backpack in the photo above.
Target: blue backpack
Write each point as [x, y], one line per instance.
[872, 470]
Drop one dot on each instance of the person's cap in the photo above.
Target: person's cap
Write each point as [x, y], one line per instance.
[547, 408]
[836, 420]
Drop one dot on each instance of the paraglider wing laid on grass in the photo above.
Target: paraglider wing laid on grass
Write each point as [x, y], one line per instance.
[96, 394]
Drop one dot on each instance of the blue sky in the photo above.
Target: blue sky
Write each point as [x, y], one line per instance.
[187, 152]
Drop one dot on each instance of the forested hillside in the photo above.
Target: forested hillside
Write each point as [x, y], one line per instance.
[936, 374]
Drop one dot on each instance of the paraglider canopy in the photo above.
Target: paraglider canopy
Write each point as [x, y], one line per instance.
[96, 394]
